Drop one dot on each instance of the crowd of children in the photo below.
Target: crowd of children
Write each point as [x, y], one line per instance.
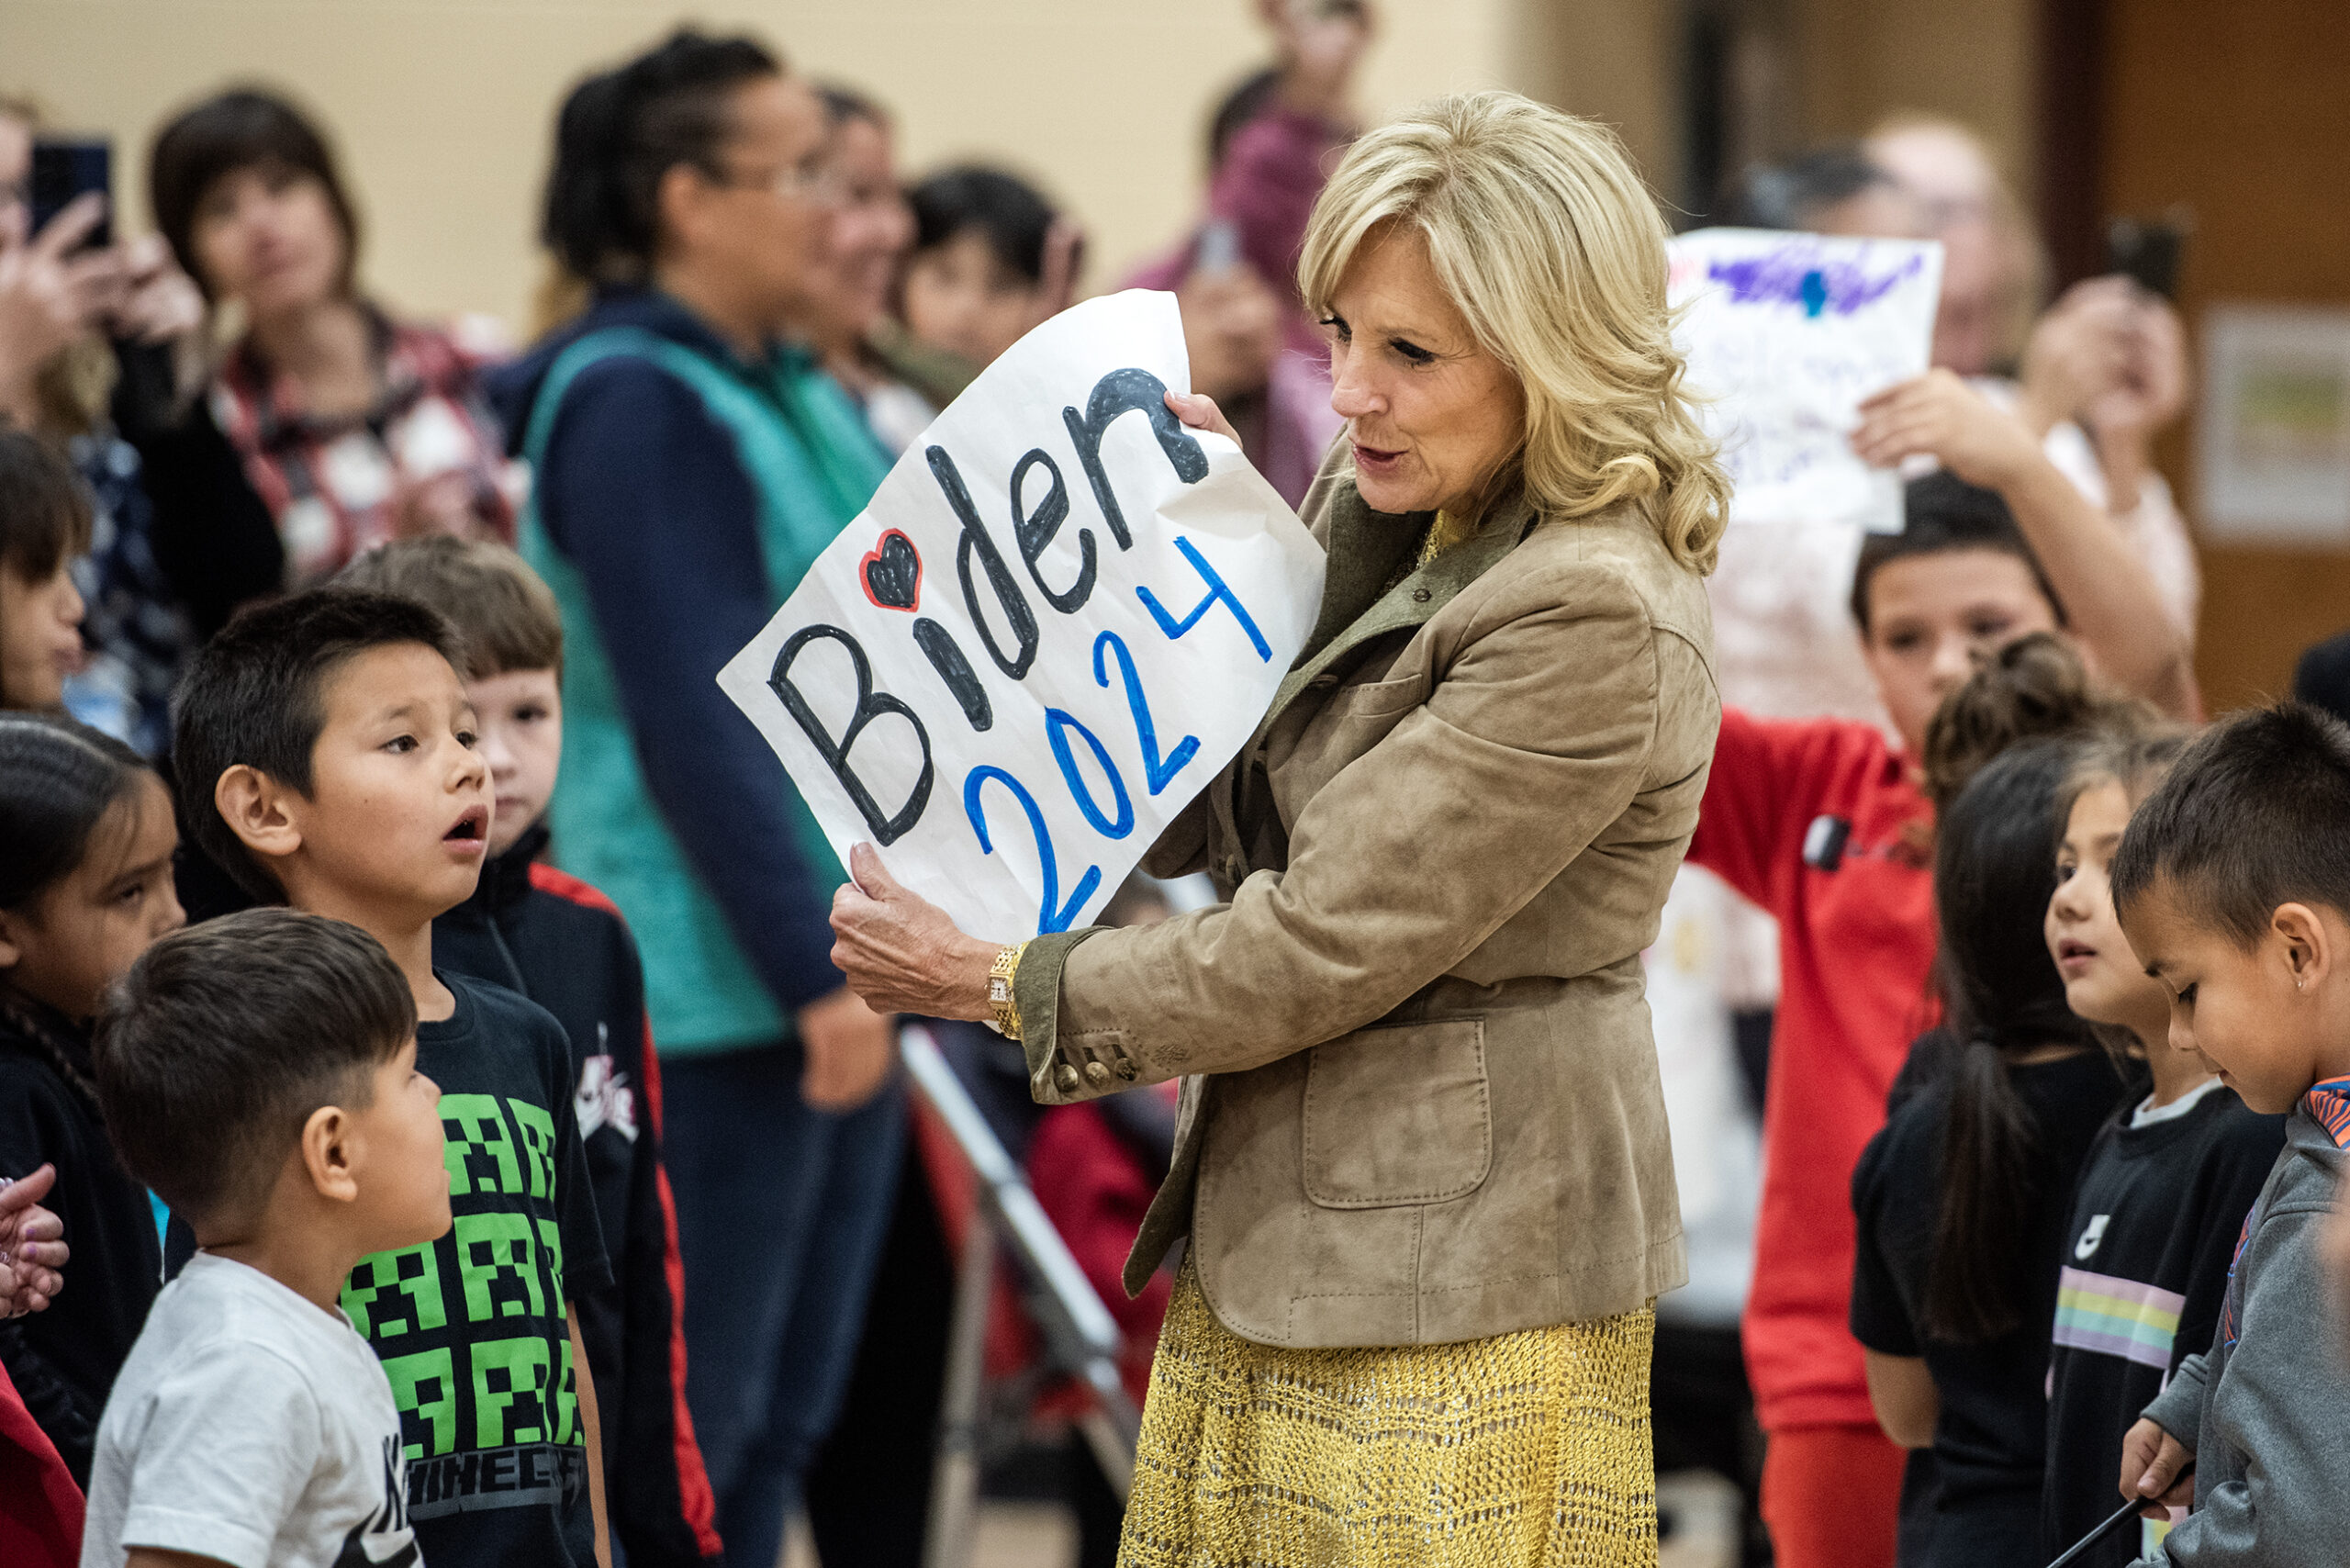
[359, 1198]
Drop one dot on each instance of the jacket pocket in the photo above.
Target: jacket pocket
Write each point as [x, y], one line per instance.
[1398, 1114]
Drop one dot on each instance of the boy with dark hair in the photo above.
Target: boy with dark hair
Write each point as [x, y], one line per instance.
[44, 523]
[260, 1074]
[561, 943]
[2233, 883]
[325, 748]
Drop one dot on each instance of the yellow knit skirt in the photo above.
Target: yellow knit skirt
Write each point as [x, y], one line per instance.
[1527, 1449]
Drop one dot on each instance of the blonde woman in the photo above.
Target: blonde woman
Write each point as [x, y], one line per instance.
[1422, 1159]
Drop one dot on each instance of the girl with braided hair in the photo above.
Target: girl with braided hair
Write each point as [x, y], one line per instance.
[87, 837]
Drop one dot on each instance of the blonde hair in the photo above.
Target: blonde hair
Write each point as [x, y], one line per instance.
[1551, 246]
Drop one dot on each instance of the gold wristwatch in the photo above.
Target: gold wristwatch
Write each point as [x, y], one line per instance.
[1001, 1000]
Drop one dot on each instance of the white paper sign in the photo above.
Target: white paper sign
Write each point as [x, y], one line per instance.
[1061, 616]
[1785, 335]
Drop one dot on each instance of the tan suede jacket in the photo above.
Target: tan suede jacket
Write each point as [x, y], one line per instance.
[1420, 1099]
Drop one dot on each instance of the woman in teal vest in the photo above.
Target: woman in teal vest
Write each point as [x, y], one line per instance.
[689, 464]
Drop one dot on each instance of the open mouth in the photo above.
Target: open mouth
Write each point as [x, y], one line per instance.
[471, 828]
[2074, 951]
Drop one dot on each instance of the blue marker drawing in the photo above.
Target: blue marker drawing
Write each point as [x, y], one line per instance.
[1797, 275]
[1156, 771]
[1057, 724]
[1216, 590]
[1049, 918]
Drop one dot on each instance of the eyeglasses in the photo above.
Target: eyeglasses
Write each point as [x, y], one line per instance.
[819, 183]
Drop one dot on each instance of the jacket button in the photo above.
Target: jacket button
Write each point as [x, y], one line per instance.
[1419, 596]
[1098, 1073]
[1126, 1070]
[1065, 1079]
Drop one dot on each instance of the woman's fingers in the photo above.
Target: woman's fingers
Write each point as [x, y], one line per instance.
[872, 877]
[1198, 411]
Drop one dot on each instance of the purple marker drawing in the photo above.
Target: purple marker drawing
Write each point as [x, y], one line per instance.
[1798, 276]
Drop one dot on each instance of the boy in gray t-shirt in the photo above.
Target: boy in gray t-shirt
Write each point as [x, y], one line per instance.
[259, 1073]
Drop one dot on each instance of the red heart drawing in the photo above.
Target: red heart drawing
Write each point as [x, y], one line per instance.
[891, 573]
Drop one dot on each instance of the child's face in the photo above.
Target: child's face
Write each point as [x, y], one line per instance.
[960, 297]
[397, 822]
[2104, 981]
[1933, 617]
[397, 1154]
[40, 638]
[90, 926]
[2270, 1018]
[520, 717]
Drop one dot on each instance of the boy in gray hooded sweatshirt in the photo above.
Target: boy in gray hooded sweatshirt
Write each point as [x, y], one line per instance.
[2233, 884]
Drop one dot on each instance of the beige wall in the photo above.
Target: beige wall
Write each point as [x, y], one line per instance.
[443, 108]
[1971, 60]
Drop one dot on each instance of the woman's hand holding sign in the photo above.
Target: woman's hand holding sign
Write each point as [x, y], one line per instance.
[901, 952]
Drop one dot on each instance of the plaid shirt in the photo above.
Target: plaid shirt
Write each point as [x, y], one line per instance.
[332, 484]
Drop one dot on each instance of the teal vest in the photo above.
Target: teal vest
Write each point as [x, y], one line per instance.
[813, 464]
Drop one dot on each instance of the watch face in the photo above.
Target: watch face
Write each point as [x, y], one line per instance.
[998, 992]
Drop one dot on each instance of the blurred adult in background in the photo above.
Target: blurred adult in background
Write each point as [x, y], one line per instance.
[690, 462]
[1834, 189]
[1271, 145]
[2096, 377]
[990, 260]
[60, 300]
[900, 388]
[354, 428]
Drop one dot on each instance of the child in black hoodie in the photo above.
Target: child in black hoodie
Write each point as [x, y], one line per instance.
[559, 941]
[86, 838]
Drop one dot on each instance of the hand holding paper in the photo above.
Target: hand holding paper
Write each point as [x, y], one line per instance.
[1063, 612]
[1785, 335]
[1940, 415]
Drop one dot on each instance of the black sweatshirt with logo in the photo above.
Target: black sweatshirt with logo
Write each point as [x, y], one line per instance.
[2155, 1218]
[555, 939]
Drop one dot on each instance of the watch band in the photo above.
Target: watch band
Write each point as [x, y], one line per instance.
[1003, 1001]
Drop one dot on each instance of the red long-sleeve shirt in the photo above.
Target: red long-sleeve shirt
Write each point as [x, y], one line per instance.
[1855, 945]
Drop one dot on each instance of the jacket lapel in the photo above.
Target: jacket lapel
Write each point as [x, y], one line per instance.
[1365, 548]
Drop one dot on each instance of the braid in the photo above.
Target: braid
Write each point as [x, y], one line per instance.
[27, 1021]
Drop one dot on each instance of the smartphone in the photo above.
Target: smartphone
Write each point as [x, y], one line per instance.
[66, 169]
[2148, 250]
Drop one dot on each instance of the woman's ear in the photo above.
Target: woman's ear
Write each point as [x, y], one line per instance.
[253, 805]
[678, 199]
[12, 948]
[327, 1156]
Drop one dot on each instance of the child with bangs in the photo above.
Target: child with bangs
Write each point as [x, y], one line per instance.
[86, 886]
[2168, 1183]
[44, 524]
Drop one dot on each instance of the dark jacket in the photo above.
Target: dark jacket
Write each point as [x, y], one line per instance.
[64, 1360]
[559, 941]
